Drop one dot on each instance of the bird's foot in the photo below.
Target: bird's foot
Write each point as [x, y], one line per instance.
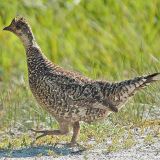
[76, 147]
[44, 133]
[75, 144]
[71, 144]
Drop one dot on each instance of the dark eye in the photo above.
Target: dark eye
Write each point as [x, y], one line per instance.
[18, 26]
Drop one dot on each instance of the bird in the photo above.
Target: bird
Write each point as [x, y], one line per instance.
[69, 96]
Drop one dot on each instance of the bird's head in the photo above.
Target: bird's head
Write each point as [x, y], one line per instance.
[21, 28]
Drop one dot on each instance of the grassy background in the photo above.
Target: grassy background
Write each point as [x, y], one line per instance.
[103, 39]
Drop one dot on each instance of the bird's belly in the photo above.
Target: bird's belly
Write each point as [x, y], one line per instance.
[65, 108]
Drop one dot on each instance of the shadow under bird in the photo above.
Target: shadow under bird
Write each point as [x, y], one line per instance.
[69, 96]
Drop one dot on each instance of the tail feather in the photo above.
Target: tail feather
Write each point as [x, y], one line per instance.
[152, 77]
[117, 94]
[129, 87]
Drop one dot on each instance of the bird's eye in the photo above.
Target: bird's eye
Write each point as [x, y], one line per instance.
[18, 26]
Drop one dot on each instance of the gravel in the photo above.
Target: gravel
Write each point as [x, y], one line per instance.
[142, 150]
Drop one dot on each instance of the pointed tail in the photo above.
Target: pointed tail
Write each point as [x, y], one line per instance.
[141, 82]
[120, 92]
[152, 78]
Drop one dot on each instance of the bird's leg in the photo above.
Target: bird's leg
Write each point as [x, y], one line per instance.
[64, 129]
[47, 132]
[76, 131]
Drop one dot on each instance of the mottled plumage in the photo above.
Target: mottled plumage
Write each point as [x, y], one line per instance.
[69, 96]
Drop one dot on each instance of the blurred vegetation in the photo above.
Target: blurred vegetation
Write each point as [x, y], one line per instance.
[101, 38]
[104, 39]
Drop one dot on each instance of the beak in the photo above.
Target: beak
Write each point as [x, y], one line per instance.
[8, 28]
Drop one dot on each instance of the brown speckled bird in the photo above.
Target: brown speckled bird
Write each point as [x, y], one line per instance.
[69, 96]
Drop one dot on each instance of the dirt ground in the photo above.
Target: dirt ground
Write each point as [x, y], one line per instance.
[141, 151]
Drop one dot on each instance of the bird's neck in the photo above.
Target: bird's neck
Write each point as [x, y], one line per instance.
[33, 51]
[32, 48]
[35, 59]
[28, 41]
[27, 38]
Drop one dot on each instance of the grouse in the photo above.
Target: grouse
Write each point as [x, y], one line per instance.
[69, 96]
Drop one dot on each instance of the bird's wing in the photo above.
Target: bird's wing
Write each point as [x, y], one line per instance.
[81, 93]
[88, 95]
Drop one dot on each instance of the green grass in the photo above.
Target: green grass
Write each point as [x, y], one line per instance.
[103, 39]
